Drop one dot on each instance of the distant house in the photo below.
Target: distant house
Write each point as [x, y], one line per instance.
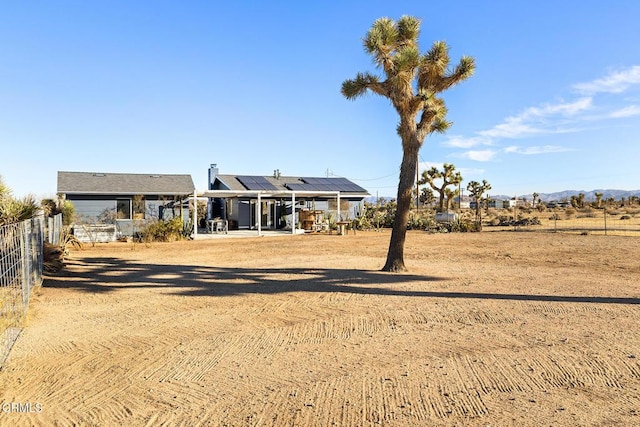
[463, 202]
[280, 202]
[116, 203]
[493, 203]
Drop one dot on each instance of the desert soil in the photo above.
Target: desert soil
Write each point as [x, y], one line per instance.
[486, 329]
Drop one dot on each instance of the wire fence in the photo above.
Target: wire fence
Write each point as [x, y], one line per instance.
[21, 261]
[614, 222]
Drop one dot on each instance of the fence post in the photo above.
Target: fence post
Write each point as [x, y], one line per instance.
[58, 225]
[25, 250]
[605, 221]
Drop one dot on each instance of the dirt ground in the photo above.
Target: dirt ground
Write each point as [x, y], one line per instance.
[487, 329]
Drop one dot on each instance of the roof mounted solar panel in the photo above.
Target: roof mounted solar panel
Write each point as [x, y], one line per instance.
[256, 183]
[297, 187]
[333, 184]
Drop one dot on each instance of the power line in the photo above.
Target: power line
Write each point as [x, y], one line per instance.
[361, 179]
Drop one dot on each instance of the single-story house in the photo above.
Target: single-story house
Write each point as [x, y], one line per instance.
[495, 204]
[112, 205]
[281, 202]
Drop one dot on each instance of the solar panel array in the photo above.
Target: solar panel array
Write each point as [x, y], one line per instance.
[297, 187]
[256, 183]
[326, 184]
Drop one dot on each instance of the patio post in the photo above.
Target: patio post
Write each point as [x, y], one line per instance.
[195, 214]
[259, 214]
[293, 212]
[338, 197]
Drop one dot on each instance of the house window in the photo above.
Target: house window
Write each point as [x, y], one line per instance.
[123, 209]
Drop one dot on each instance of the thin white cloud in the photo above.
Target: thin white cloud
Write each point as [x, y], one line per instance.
[511, 128]
[466, 172]
[536, 120]
[630, 111]
[615, 82]
[462, 142]
[479, 155]
[564, 109]
[536, 149]
[552, 119]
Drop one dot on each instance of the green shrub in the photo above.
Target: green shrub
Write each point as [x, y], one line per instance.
[420, 220]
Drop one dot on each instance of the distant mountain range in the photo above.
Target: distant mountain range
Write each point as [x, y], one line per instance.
[566, 195]
[557, 196]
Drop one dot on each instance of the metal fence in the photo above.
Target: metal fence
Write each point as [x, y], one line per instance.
[614, 222]
[54, 229]
[21, 260]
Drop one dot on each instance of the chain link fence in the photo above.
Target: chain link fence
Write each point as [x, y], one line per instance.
[21, 261]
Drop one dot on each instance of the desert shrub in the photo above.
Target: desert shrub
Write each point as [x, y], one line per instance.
[362, 222]
[423, 220]
[54, 255]
[52, 207]
[569, 212]
[587, 212]
[49, 207]
[14, 210]
[163, 231]
[625, 217]
[633, 211]
[68, 213]
[465, 226]
[379, 215]
[506, 221]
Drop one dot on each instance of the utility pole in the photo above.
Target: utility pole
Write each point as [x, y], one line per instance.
[417, 179]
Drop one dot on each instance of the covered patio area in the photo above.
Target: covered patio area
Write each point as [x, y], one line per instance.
[257, 226]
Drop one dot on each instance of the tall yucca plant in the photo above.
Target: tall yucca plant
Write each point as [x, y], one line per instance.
[413, 83]
[15, 210]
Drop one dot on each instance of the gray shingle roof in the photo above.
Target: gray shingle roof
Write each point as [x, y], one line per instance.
[124, 183]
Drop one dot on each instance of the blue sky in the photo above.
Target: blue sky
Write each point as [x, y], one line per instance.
[172, 86]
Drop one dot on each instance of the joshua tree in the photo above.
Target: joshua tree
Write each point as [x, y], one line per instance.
[450, 195]
[598, 200]
[581, 200]
[449, 177]
[578, 201]
[426, 196]
[412, 82]
[536, 199]
[476, 191]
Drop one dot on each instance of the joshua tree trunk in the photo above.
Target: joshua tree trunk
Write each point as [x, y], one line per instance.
[395, 255]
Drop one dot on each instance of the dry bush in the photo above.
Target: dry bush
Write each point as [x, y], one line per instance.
[633, 211]
[54, 255]
[586, 212]
[53, 258]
